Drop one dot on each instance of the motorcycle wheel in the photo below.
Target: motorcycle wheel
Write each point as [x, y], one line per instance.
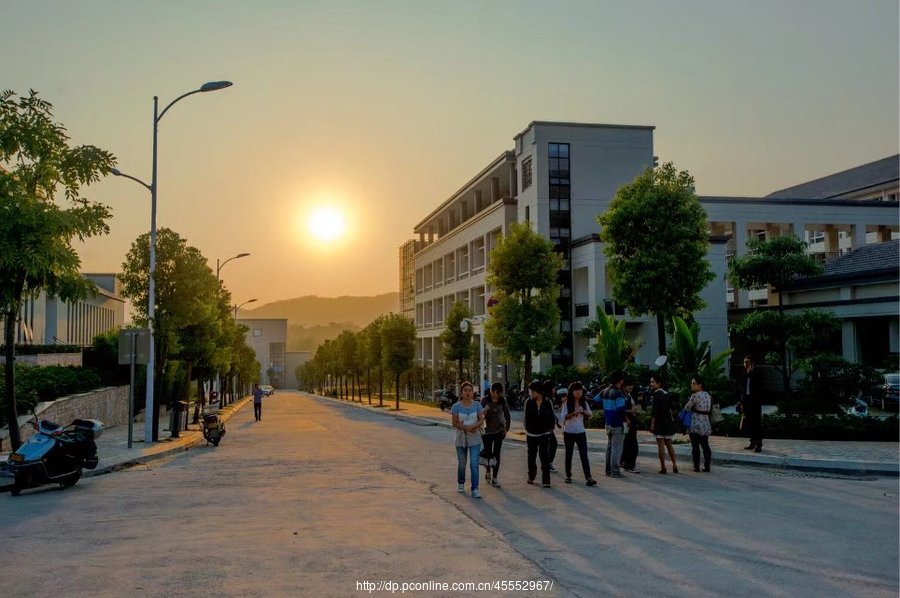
[16, 490]
[215, 441]
[71, 480]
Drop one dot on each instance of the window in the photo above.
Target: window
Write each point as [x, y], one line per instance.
[527, 173]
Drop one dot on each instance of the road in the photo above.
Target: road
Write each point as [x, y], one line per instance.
[319, 496]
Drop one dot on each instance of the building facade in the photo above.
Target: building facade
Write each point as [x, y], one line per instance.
[46, 320]
[560, 176]
[268, 339]
[407, 284]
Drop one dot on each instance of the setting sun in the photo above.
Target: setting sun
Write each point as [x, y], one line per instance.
[326, 223]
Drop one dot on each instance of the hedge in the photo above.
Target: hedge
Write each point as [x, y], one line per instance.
[797, 427]
[36, 384]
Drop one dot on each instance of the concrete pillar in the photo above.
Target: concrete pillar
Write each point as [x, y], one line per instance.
[849, 343]
[832, 247]
[894, 336]
[799, 230]
[742, 297]
[858, 236]
[495, 189]
[513, 181]
[479, 201]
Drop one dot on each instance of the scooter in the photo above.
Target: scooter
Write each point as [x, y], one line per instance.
[54, 454]
[213, 428]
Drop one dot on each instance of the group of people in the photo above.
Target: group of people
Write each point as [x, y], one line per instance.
[480, 427]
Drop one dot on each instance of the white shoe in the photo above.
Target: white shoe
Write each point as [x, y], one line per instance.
[460, 488]
[495, 483]
[476, 494]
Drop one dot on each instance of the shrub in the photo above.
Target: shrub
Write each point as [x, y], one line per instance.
[36, 384]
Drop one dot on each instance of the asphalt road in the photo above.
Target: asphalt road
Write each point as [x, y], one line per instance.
[320, 497]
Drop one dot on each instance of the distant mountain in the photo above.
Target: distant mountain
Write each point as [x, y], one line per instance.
[314, 311]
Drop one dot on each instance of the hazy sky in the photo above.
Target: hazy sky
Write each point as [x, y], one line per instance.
[385, 108]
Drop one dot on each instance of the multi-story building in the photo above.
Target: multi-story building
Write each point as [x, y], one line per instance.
[408, 278]
[560, 177]
[268, 339]
[50, 321]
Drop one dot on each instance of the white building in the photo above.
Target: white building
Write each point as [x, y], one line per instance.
[560, 177]
[268, 339]
[45, 320]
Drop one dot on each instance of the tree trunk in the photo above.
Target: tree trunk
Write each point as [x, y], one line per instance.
[785, 375]
[527, 377]
[381, 387]
[369, 383]
[397, 391]
[459, 376]
[661, 333]
[9, 368]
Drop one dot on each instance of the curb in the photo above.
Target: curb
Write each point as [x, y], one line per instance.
[853, 468]
[178, 446]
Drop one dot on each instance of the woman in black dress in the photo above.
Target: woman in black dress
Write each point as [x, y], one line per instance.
[662, 424]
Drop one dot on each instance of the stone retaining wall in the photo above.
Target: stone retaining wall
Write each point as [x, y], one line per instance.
[109, 405]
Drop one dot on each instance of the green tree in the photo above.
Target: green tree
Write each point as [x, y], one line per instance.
[791, 338]
[523, 272]
[612, 351]
[775, 262]
[456, 345]
[688, 356]
[36, 253]
[186, 299]
[373, 356]
[656, 238]
[398, 348]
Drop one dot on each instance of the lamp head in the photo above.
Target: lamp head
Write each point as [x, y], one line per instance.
[464, 325]
[215, 85]
[115, 172]
[241, 255]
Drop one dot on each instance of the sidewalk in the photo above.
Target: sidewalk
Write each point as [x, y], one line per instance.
[112, 446]
[841, 457]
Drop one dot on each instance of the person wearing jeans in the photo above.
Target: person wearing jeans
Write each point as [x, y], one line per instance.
[466, 417]
[700, 405]
[614, 414]
[573, 414]
[258, 394]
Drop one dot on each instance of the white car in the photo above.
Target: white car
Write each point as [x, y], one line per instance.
[267, 388]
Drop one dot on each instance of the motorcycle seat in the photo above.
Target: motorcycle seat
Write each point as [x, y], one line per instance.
[47, 425]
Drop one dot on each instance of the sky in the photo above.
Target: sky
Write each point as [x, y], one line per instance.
[382, 110]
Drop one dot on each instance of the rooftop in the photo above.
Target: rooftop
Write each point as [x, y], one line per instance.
[880, 172]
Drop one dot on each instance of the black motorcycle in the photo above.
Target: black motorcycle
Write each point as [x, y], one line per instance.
[54, 454]
[212, 426]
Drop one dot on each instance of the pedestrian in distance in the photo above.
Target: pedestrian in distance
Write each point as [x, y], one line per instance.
[573, 415]
[700, 405]
[496, 425]
[467, 417]
[485, 388]
[662, 424]
[540, 422]
[630, 443]
[258, 394]
[750, 404]
[614, 414]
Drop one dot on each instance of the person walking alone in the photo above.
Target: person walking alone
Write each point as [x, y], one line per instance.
[258, 394]
[466, 416]
[662, 424]
[496, 426]
[751, 404]
[540, 422]
[614, 414]
[573, 414]
[700, 404]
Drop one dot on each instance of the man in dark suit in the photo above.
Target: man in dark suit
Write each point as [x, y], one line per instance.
[751, 404]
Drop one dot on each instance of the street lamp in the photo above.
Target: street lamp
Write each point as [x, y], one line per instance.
[153, 187]
[237, 307]
[464, 327]
[222, 265]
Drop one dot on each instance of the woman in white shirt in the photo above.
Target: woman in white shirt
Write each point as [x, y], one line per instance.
[575, 412]
[700, 404]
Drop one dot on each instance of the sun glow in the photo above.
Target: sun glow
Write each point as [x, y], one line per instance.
[326, 223]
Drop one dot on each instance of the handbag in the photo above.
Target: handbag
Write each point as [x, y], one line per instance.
[715, 414]
[684, 417]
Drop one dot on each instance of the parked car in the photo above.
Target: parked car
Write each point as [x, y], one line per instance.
[266, 388]
[890, 391]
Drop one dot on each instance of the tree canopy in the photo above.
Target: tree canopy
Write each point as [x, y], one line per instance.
[523, 272]
[456, 345]
[36, 233]
[656, 237]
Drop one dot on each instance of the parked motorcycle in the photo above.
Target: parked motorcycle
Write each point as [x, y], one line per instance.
[54, 454]
[213, 427]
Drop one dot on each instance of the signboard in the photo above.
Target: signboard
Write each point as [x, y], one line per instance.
[141, 345]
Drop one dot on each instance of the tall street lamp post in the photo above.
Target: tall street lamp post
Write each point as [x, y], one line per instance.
[153, 187]
[222, 265]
